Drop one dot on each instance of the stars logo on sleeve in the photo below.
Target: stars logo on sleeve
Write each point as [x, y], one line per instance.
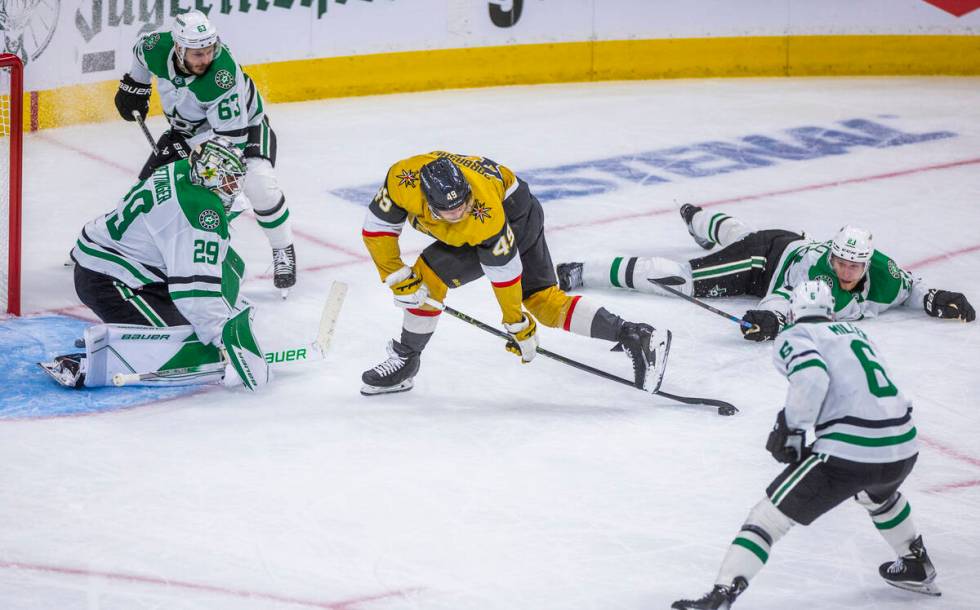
[407, 178]
[480, 210]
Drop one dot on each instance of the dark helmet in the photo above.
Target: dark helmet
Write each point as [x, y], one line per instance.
[444, 186]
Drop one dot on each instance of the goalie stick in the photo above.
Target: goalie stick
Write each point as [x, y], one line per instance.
[724, 408]
[311, 352]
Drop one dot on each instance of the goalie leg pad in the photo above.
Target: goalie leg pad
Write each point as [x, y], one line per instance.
[246, 360]
[129, 348]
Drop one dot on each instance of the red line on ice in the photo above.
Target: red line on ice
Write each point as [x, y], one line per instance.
[948, 451]
[166, 582]
[952, 486]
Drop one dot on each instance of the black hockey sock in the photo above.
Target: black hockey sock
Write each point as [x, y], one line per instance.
[606, 325]
[415, 341]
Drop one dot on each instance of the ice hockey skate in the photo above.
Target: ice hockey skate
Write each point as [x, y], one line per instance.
[66, 370]
[394, 374]
[688, 211]
[284, 268]
[719, 598]
[912, 572]
[647, 348]
[569, 276]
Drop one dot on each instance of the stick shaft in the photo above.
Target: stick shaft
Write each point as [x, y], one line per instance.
[700, 303]
[146, 132]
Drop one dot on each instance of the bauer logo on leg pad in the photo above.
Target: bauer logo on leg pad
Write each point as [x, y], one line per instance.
[286, 355]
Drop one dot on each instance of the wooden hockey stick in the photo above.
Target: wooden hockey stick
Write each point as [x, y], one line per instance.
[146, 132]
[663, 283]
[724, 408]
[310, 352]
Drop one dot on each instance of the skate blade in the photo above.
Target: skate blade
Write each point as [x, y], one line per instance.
[373, 390]
[54, 371]
[925, 588]
[655, 377]
[284, 292]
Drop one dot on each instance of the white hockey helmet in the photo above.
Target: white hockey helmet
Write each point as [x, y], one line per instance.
[192, 30]
[852, 244]
[812, 298]
[218, 165]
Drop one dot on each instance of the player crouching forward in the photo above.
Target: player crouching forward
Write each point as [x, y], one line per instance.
[160, 272]
[485, 221]
[865, 448]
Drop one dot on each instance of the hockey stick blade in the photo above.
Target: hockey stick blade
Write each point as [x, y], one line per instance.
[328, 319]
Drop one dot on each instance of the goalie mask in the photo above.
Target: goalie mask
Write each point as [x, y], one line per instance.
[811, 299]
[192, 30]
[218, 165]
[446, 190]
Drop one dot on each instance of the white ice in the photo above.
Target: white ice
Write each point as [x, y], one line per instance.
[494, 485]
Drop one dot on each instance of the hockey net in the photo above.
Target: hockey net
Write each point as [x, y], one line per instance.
[11, 146]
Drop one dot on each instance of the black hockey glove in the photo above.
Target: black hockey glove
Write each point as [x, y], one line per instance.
[765, 324]
[946, 304]
[131, 96]
[172, 146]
[787, 446]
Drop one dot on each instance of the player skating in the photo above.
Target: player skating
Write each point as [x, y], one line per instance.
[865, 448]
[485, 221]
[160, 272]
[768, 264]
[204, 92]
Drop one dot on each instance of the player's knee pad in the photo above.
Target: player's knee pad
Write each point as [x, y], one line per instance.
[766, 518]
[246, 360]
[129, 348]
[261, 185]
[874, 507]
[549, 306]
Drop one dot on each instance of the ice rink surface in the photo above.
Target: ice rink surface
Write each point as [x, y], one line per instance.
[492, 485]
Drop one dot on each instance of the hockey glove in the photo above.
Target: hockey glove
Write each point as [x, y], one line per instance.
[172, 146]
[786, 445]
[951, 305]
[409, 290]
[523, 338]
[765, 324]
[131, 96]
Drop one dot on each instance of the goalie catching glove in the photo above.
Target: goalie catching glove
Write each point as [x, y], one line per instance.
[132, 97]
[948, 305]
[409, 289]
[523, 338]
[765, 324]
[787, 446]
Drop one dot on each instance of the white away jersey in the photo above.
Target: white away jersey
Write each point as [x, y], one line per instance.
[885, 286]
[168, 230]
[224, 99]
[859, 415]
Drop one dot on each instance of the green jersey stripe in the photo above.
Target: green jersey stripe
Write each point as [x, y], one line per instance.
[112, 258]
[863, 441]
[191, 294]
[807, 364]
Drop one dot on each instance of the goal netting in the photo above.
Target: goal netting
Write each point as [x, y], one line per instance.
[11, 132]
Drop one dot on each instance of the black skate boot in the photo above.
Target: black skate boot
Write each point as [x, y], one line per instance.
[719, 598]
[569, 276]
[688, 211]
[912, 572]
[394, 374]
[284, 268]
[647, 348]
[66, 370]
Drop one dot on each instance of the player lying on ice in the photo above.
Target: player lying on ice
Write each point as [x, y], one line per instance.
[768, 264]
[484, 221]
[159, 270]
[204, 92]
[865, 448]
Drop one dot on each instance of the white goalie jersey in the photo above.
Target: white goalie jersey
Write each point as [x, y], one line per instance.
[168, 230]
[839, 385]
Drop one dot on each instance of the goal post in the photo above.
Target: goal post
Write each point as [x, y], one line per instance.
[11, 151]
